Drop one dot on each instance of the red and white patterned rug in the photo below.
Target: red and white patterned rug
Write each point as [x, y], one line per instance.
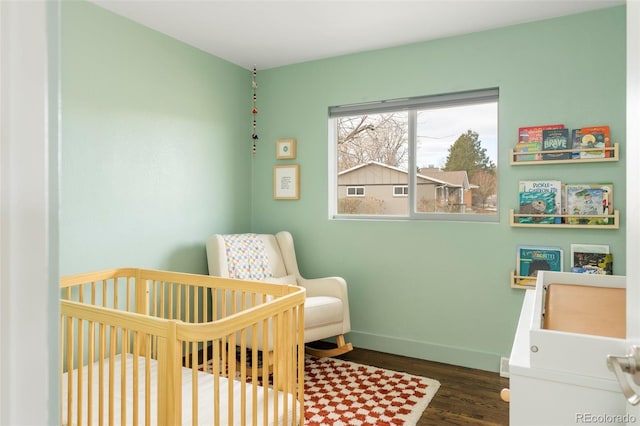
[343, 393]
[339, 392]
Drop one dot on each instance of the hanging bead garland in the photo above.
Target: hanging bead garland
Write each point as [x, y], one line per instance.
[254, 111]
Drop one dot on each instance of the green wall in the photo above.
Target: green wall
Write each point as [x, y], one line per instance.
[156, 157]
[431, 289]
[154, 146]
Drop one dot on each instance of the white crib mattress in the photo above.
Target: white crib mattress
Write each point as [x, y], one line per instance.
[205, 397]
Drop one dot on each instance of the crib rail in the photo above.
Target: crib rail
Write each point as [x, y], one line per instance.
[182, 348]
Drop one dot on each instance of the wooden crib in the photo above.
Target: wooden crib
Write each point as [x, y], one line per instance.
[164, 348]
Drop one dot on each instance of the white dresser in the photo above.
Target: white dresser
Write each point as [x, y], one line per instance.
[560, 378]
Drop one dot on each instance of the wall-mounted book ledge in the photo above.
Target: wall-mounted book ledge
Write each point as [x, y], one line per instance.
[521, 282]
[583, 155]
[568, 221]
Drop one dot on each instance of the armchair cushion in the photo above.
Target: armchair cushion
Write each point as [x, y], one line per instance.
[322, 310]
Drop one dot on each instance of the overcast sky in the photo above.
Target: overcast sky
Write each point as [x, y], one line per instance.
[438, 129]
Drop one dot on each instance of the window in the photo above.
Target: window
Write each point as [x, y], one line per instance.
[355, 191]
[401, 191]
[430, 157]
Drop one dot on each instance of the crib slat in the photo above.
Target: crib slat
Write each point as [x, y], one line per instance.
[90, 372]
[141, 295]
[80, 361]
[123, 342]
[111, 379]
[186, 290]
[216, 380]
[136, 381]
[101, 349]
[147, 399]
[128, 293]
[231, 373]
[69, 355]
[266, 364]
[115, 293]
[254, 373]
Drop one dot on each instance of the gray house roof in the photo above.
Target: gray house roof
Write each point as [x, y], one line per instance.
[455, 178]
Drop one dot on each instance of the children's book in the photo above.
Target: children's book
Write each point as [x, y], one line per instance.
[534, 133]
[594, 139]
[552, 186]
[537, 203]
[556, 140]
[576, 141]
[591, 259]
[533, 148]
[530, 140]
[584, 201]
[531, 259]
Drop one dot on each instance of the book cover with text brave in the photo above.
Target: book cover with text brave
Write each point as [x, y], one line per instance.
[556, 140]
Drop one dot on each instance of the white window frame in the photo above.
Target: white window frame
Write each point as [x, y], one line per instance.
[356, 187]
[404, 193]
[412, 105]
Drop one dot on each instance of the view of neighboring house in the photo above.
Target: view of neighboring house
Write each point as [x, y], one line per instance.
[377, 188]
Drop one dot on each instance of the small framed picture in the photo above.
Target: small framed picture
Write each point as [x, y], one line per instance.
[285, 149]
[286, 182]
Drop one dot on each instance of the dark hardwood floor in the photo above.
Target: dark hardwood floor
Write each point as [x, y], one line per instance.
[466, 396]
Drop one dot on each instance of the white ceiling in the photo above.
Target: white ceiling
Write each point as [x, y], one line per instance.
[269, 34]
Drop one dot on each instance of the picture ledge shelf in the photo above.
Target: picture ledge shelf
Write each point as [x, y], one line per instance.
[615, 217]
[525, 283]
[615, 156]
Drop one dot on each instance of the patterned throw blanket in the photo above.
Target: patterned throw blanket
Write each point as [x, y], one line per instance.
[246, 257]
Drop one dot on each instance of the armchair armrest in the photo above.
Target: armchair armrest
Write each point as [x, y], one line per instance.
[332, 287]
[328, 286]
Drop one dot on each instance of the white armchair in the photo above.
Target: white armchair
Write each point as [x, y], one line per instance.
[326, 308]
